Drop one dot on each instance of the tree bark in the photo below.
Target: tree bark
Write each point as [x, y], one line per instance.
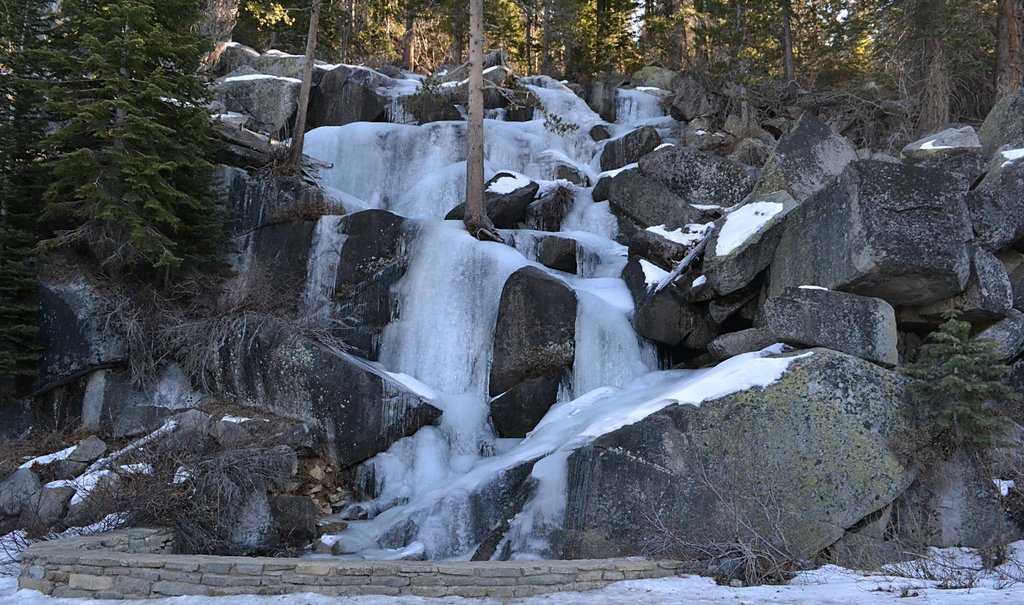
[1009, 68]
[936, 87]
[409, 40]
[294, 161]
[789, 70]
[477, 222]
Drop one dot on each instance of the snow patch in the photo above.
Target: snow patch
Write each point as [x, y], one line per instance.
[1011, 156]
[250, 77]
[508, 183]
[813, 288]
[700, 281]
[48, 458]
[653, 274]
[743, 223]
[1004, 486]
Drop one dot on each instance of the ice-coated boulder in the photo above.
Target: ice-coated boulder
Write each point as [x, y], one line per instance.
[547, 212]
[698, 177]
[629, 148]
[807, 457]
[997, 203]
[744, 241]
[945, 142]
[507, 196]
[857, 325]
[558, 253]
[805, 159]
[639, 202]
[361, 409]
[534, 349]
[270, 100]
[886, 230]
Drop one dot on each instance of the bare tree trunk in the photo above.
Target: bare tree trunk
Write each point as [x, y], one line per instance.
[545, 48]
[935, 85]
[409, 39]
[295, 153]
[458, 33]
[1009, 69]
[477, 222]
[787, 41]
[531, 15]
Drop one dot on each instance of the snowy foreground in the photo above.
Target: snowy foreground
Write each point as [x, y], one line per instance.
[828, 585]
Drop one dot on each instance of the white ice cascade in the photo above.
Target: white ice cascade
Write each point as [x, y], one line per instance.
[637, 106]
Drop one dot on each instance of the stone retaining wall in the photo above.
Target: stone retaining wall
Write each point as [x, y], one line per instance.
[138, 563]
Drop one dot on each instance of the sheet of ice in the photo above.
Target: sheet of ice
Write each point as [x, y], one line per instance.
[743, 223]
[249, 77]
[616, 171]
[322, 268]
[507, 184]
[439, 518]
[813, 288]
[48, 458]
[1011, 156]
[586, 215]
[633, 106]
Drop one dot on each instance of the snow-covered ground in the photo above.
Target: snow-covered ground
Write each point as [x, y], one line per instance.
[829, 585]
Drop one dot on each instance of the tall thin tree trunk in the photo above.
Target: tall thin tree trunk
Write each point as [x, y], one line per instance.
[1009, 68]
[787, 41]
[476, 215]
[298, 138]
[409, 40]
[545, 48]
[933, 75]
[530, 19]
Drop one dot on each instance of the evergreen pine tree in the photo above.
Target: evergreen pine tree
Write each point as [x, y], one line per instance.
[130, 178]
[958, 380]
[22, 27]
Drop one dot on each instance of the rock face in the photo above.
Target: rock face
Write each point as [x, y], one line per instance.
[950, 140]
[506, 198]
[692, 100]
[1008, 335]
[348, 94]
[744, 244]
[815, 449]
[665, 316]
[257, 201]
[629, 148]
[361, 410]
[17, 490]
[534, 348]
[805, 159]
[1004, 125]
[966, 166]
[698, 177]
[558, 253]
[873, 232]
[74, 331]
[989, 294]
[997, 205]
[269, 100]
[954, 503]
[857, 325]
[640, 202]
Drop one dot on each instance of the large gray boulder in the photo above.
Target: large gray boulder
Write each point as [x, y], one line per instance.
[989, 294]
[873, 232]
[954, 502]
[261, 199]
[662, 316]
[362, 410]
[966, 166]
[698, 177]
[1004, 125]
[17, 490]
[507, 196]
[737, 343]
[945, 142]
[743, 242]
[534, 349]
[802, 460]
[629, 148]
[349, 94]
[997, 203]
[805, 159]
[270, 100]
[693, 100]
[229, 56]
[1008, 334]
[657, 248]
[639, 202]
[857, 325]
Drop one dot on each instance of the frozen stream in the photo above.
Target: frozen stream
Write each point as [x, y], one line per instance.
[435, 492]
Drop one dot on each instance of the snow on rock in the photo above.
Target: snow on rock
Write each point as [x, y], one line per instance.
[653, 274]
[743, 223]
[507, 184]
[48, 458]
[700, 281]
[687, 236]
[1011, 155]
[813, 288]
[249, 77]
[1004, 486]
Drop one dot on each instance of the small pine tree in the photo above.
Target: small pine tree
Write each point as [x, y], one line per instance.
[130, 176]
[23, 24]
[958, 380]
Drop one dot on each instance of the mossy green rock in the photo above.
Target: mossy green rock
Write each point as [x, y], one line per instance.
[793, 465]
